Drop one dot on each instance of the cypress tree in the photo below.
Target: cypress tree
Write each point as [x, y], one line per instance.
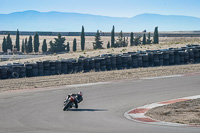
[17, 41]
[131, 40]
[30, 45]
[36, 42]
[156, 37]
[74, 44]
[4, 46]
[98, 43]
[108, 44]
[23, 46]
[144, 39]
[68, 47]
[52, 46]
[149, 39]
[26, 46]
[113, 37]
[44, 46]
[9, 42]
[82, 39]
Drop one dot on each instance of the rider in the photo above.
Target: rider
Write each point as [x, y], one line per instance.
[78, 98]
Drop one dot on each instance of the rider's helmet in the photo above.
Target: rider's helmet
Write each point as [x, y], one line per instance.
[80, 93]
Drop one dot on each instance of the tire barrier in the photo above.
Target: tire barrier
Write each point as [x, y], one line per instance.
[3, 72]
[108, 63]
[40, 68]
[52, 66]
[58, 67]
[97, 64]
[64, 66]
[46, 69]
[118, 62]
[29, 70]
[134, 60]
[102, 64]
[35, 69]
[105, 62]
[70, 66]
[86, 65]
[113, 62]
[91, 64]
[22, 73]
[80, 64]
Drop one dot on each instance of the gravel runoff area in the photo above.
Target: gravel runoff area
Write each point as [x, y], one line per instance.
[185, 112]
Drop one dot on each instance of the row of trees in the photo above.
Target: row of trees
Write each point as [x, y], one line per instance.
[32, 44]
[27, 46]
[123, 41]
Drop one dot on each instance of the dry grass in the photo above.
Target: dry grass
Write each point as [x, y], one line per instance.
[90, 39]
[185, 112]
[165, 42]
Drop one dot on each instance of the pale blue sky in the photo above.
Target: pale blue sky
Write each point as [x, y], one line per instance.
[114, 8]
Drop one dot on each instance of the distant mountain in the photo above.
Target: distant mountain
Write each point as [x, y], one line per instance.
[72, 22]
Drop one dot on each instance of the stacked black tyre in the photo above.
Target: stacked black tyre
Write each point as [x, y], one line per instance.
[46, 68]
[69, 66]
[134, 60]
[29, 70]
[102, 64]
[145, 60]
[97, 64]
[75, 66]
[58, 67]
[91, 64]
[86, 65]
[113, 62]
[64, 66]
[40, 68]
[118, 62]
[35, 69]
[80, 64]
[3, 72]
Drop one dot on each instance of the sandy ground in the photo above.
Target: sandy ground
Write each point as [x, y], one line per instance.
[186, 112]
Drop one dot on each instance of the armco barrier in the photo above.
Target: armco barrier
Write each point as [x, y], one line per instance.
[105, 62]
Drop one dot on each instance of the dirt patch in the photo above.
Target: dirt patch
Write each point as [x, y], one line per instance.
[185, 112]
[92, 77]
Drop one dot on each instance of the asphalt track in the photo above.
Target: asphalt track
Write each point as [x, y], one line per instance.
[102, 110]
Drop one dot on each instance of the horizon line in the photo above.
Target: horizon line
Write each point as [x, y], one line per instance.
[93, 14]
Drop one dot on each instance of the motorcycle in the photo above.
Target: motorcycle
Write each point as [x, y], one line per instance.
[69, 103]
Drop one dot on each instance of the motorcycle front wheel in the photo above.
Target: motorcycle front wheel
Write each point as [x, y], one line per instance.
[67, 106]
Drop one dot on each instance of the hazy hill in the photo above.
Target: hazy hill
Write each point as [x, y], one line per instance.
[67, 22]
